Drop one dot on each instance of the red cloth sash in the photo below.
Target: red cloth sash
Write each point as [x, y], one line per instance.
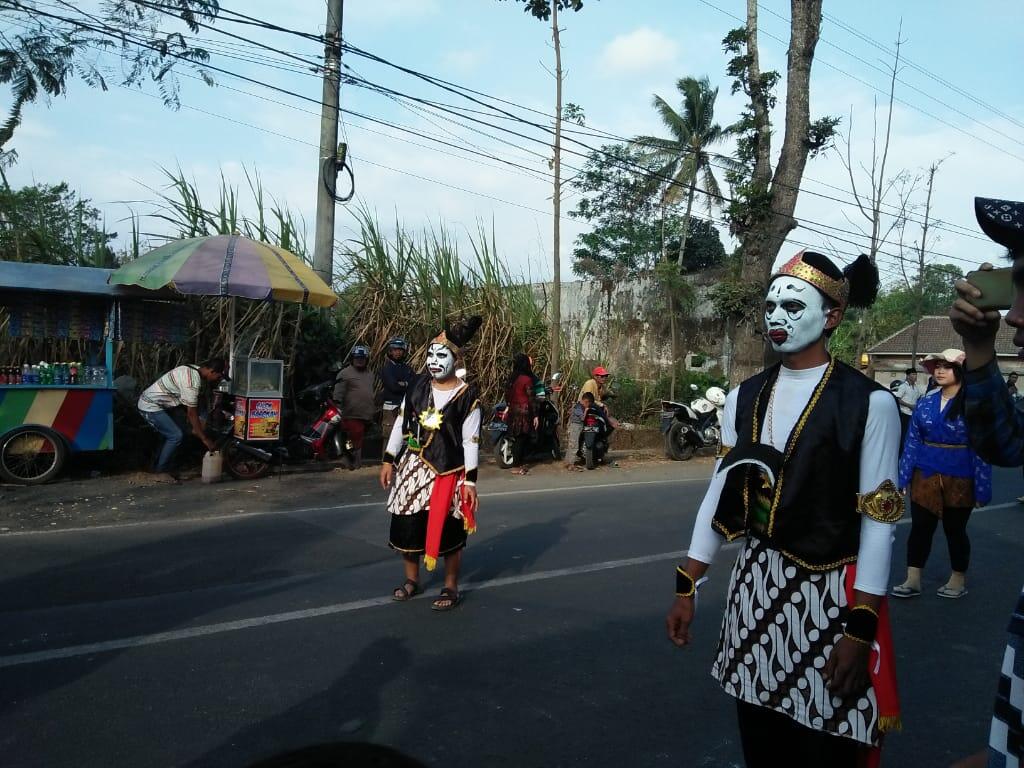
[882, 668]
[440, 505]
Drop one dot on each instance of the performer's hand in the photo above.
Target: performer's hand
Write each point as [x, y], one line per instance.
[469, 497]
[846, 671]
[680, 615]
[386, 470]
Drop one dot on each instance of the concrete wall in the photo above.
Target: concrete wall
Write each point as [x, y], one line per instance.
[625, 326]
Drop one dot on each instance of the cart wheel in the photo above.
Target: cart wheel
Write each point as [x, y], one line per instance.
[242, 466]
[31, 455]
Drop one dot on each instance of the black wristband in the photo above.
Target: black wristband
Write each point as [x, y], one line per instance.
[685, 585]
[390, 458]
[862, 624]
[471, 475]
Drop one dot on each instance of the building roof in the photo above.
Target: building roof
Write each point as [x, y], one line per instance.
[936, 334]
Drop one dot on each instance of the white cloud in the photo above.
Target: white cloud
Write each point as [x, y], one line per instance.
[462, 61]
[641, 50]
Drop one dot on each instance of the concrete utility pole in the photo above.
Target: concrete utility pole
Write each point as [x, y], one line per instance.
[323, 246]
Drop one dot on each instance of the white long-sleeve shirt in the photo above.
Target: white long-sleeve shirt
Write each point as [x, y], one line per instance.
[879, 462]
[470, 428]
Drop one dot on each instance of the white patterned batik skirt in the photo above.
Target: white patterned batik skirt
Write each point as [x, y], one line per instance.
[781, 623]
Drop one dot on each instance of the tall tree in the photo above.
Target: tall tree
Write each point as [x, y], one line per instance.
[44, 45]
[761, 213]
[625, 236]
[547, 10]
[682, 159]
[50, 224]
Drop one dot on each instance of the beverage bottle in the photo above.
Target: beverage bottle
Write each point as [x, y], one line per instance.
[44, 373]
[3, 376]
[73, 379]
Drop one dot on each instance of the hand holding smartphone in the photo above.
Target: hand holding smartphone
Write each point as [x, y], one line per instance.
[996, 286]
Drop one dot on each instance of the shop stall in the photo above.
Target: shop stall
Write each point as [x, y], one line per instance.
[53, 406]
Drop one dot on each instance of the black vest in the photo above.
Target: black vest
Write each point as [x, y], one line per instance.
[441, 449]
[813, 519]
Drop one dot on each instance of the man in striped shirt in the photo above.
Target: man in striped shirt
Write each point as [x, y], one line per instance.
[178, 388]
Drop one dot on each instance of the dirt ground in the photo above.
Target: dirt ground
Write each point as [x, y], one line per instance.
[106, 499]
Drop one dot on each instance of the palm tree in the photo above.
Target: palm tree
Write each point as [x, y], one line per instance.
[683, 158]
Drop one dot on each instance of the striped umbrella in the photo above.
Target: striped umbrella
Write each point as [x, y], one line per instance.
[227, 265]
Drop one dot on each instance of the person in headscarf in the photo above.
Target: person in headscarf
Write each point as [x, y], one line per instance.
[432, 456]
[806, 480]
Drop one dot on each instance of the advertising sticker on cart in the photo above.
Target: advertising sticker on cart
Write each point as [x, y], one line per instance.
[264, 419]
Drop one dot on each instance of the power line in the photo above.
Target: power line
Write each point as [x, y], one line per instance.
[635, 165]
[876, 88]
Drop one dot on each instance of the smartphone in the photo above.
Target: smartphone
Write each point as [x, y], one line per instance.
[996, 286]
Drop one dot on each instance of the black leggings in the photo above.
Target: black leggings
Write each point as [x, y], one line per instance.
[954, 523]
[771, 739]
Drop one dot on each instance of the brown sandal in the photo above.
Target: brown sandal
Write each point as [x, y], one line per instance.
[403, 593]
[448, 599]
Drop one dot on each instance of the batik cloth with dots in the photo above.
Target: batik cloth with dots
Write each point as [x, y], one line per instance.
[781, 623]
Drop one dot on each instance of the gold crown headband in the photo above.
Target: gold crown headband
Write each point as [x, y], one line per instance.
[837, 290]
[442, 338]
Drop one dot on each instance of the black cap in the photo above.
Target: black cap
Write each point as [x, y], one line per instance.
[1003, 221]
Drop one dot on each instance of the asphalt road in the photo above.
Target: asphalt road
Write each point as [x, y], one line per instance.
[222, 641]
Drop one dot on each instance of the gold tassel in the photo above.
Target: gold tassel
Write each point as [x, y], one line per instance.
[887, 723]
[430, 562]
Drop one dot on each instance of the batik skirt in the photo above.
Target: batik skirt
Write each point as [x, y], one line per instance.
[780, 626]
[409, 505]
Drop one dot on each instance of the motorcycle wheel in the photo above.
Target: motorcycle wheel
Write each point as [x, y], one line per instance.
[505, 452]
[242, 466]
[589, 458]
[679, 448]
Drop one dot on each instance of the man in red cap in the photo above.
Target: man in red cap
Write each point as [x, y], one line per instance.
[596, 387]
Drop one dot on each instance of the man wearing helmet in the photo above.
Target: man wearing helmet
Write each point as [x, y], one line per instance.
[353, 392]
[395, 377]
[806, 483]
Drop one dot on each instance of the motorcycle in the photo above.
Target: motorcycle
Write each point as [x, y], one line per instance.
[593, 443]
[510, 450]
[694, 426]
[322, 440]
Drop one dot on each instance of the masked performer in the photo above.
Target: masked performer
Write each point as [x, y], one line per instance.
[806, 482]
[435, 445]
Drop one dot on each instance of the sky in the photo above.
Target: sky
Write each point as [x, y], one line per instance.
[958, 100]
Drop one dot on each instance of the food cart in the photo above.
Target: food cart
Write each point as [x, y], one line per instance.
[41, 424]
[257, 385]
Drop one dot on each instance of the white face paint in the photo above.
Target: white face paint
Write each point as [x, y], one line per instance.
[440, 361]
[794, 314]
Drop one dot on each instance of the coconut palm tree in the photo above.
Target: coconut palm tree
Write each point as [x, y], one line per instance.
[683, 158]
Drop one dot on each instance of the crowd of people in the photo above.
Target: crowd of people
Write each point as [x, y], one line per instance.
[816, 467]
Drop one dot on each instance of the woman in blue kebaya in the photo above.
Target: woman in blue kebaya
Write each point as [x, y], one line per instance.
[945, 477]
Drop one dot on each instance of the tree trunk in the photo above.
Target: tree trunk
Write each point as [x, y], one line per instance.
[920, 261]
[556, 292]
[763, 238]
[686, 218]
[674, 326]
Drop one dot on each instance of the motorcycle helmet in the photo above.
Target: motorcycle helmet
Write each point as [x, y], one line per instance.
[702, 405]
[716, 395]
[397, 342]
[360, 351]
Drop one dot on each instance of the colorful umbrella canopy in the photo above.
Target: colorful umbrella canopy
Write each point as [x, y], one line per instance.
[227, 265]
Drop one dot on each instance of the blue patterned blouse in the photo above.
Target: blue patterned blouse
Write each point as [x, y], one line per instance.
[939, 445]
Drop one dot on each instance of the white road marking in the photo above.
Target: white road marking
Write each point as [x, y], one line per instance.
[75, 651]
[334, 508]
[89, 649]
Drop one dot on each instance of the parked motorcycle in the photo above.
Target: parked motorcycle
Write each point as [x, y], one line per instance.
[322, 439]
[511, 450]
[694, 426]
[593, 443]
